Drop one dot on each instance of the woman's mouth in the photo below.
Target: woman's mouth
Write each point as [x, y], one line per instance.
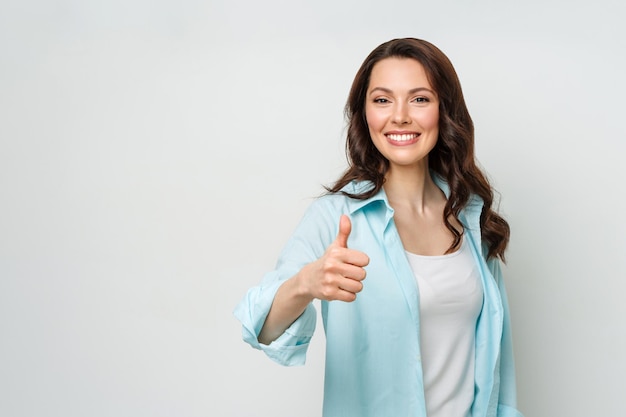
[402, 138]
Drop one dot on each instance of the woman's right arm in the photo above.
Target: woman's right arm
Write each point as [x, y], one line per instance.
[336, 275]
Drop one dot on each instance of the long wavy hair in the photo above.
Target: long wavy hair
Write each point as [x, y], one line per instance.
[452, 157]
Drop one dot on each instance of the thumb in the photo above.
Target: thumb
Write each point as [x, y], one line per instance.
[345, 227]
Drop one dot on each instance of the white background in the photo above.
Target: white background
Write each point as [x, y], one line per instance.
[155, 156]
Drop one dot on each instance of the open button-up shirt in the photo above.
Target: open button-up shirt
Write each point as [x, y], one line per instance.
[373, 363]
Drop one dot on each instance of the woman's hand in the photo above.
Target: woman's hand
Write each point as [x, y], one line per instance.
[339, 273]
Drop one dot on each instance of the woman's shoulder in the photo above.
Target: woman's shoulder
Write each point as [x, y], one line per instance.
[347, 195]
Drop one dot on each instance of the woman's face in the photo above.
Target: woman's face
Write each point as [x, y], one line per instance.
[402, 112]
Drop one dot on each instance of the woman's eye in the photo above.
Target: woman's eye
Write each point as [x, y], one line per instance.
[421, 100]
[381, 100]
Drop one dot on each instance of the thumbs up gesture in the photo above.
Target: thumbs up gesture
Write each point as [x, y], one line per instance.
[339, 273]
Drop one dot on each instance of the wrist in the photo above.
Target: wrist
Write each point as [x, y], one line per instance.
[302, 289]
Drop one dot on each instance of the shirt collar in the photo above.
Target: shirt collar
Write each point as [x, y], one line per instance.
[474, 204]
[358, 187]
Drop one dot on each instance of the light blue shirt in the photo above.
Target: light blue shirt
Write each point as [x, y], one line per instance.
[373, 364]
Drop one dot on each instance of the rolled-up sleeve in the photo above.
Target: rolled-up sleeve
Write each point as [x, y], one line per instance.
[290, 348]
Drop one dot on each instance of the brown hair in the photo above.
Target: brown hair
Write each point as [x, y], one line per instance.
[453, 155]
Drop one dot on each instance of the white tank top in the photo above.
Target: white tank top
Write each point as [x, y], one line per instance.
[451, 297]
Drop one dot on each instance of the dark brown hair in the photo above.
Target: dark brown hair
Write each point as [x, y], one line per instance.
[452, 157]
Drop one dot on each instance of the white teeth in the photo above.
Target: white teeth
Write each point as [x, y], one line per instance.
[402, 138]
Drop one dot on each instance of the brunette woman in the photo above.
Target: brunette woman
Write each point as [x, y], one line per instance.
[404, 253]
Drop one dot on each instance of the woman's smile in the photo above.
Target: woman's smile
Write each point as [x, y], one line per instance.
[402, 138]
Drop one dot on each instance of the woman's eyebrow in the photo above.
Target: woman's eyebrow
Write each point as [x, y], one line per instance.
[411, 91]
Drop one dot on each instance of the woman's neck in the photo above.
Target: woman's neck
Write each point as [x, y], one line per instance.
[412, 187]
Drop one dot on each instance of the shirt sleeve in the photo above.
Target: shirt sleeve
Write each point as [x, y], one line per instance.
[507, 401]
[308, 242]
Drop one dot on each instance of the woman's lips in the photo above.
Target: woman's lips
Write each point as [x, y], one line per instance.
[402, 138]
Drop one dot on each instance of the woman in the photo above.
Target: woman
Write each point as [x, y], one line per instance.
[403, 252]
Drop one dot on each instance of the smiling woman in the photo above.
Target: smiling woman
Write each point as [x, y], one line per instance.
[403, 252]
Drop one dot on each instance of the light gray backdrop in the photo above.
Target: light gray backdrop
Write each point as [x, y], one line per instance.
[155, 157]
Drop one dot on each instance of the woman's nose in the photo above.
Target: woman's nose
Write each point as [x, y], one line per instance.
[401, 114]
